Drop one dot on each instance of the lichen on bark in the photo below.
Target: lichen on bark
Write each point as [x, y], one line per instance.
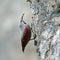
[45, 26]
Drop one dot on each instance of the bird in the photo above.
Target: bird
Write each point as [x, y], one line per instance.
[26, 32]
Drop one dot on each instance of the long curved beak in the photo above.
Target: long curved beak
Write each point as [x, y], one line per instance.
[22, 17]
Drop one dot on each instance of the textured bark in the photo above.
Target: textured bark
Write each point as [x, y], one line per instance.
[46, 23]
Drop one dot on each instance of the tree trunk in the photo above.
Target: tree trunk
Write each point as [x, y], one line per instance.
[46, 24]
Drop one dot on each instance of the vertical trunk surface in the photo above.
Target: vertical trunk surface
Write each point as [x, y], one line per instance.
[46, 25]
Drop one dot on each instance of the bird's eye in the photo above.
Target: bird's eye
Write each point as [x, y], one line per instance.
[21, 26]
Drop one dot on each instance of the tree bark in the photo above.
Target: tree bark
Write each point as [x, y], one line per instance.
[46, 24]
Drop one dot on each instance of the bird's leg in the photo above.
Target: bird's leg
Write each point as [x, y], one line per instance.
[34, 35]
